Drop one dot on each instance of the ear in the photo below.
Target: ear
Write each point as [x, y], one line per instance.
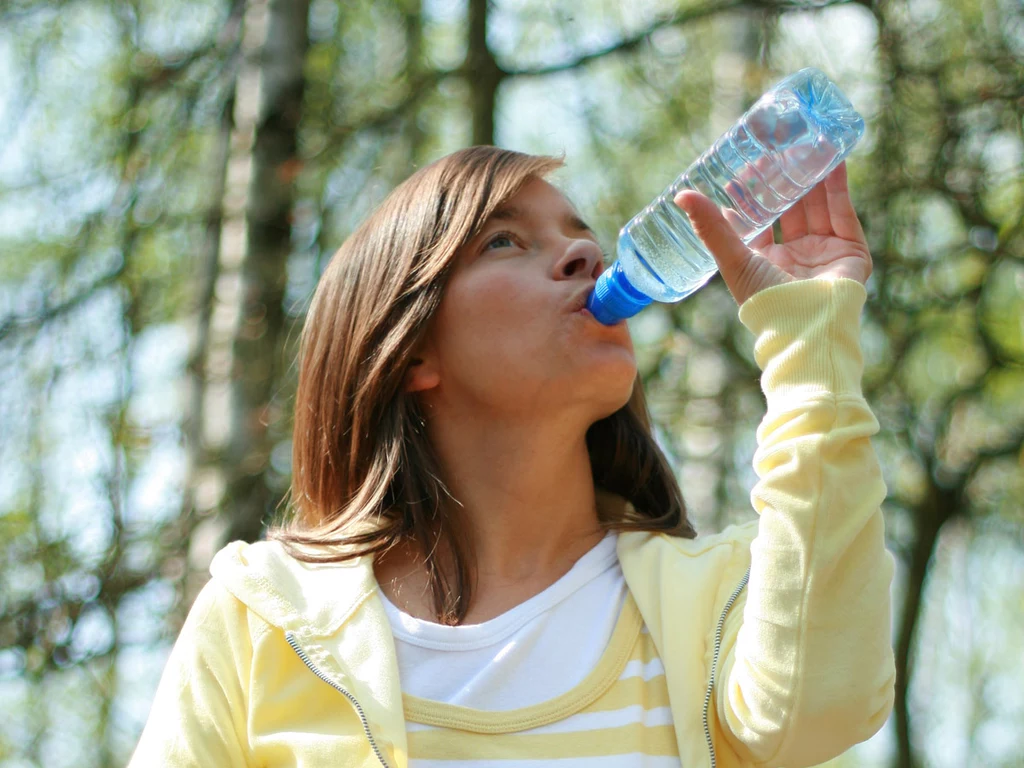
[423, 372]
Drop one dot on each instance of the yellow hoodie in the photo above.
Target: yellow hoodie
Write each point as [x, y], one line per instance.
[774, 634]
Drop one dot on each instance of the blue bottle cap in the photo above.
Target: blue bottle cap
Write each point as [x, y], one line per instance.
[614, 297]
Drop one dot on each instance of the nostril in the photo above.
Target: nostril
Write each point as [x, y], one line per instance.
[574, 266]
[582, 257]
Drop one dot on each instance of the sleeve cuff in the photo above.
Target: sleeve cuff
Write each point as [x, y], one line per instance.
[807, 338]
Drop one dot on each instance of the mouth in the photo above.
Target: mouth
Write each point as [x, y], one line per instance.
[579, 302]
[584, 312]
[578, 306]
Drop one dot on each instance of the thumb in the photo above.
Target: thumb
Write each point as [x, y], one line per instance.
[743, 271]
[720, 238]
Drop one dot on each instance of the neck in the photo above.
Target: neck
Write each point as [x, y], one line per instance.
[527, 496]
[527, 500]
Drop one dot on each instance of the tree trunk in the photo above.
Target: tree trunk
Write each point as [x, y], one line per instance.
[247, 325]
[210, 478]
[258, 342]
[200, 492]
[941, 506]
[414, 71]
[482, 74]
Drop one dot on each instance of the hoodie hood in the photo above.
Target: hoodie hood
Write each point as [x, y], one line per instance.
[312, 599]
[332, 617]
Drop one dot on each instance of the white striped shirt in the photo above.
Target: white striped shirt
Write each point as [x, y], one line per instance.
[568, 678]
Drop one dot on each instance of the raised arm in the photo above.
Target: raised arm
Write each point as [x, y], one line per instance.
[805, 663]
[806, 666]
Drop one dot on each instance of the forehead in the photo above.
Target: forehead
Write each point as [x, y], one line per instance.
[535, 200]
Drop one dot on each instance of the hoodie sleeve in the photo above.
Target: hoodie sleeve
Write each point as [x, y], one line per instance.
[198, 717]
[806, 665]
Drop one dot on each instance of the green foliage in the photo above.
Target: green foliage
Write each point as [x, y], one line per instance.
[115, 191]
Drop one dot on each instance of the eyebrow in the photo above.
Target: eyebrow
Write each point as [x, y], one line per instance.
[512, 213]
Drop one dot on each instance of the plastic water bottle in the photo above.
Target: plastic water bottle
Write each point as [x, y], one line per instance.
[787, 142]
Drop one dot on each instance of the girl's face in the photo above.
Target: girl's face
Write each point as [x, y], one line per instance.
[510, 337]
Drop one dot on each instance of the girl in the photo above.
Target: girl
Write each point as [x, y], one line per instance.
[490, 561]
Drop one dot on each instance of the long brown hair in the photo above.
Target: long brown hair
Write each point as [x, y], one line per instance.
[364, 475]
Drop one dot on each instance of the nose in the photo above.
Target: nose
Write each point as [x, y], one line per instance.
[582, 257]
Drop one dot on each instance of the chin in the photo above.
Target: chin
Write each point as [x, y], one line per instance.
[609, 407]
[615, 367]
[614, 385]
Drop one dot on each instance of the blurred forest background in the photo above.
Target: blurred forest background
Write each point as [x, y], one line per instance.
[175, 174]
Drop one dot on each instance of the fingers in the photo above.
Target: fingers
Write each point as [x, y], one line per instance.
[844, 218]
[815, 204]
[793, 223]
[825, 210]
[763, 240]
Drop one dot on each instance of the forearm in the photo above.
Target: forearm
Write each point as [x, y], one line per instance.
[808, 671]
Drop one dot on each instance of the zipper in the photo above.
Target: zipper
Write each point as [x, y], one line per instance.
[352, 699]
[714, 663]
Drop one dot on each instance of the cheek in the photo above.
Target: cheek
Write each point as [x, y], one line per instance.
[490, 328]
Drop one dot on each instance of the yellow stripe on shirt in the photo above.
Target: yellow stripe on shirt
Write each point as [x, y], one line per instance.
[446, 744]
[614, 711]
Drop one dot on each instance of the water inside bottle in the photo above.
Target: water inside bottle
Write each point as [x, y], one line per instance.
[662, 255]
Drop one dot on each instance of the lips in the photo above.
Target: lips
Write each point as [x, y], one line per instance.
[579, 301]
[579, 304]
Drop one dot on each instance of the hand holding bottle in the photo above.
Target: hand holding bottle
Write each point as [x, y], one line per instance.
[822, 238]
[771, 159]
